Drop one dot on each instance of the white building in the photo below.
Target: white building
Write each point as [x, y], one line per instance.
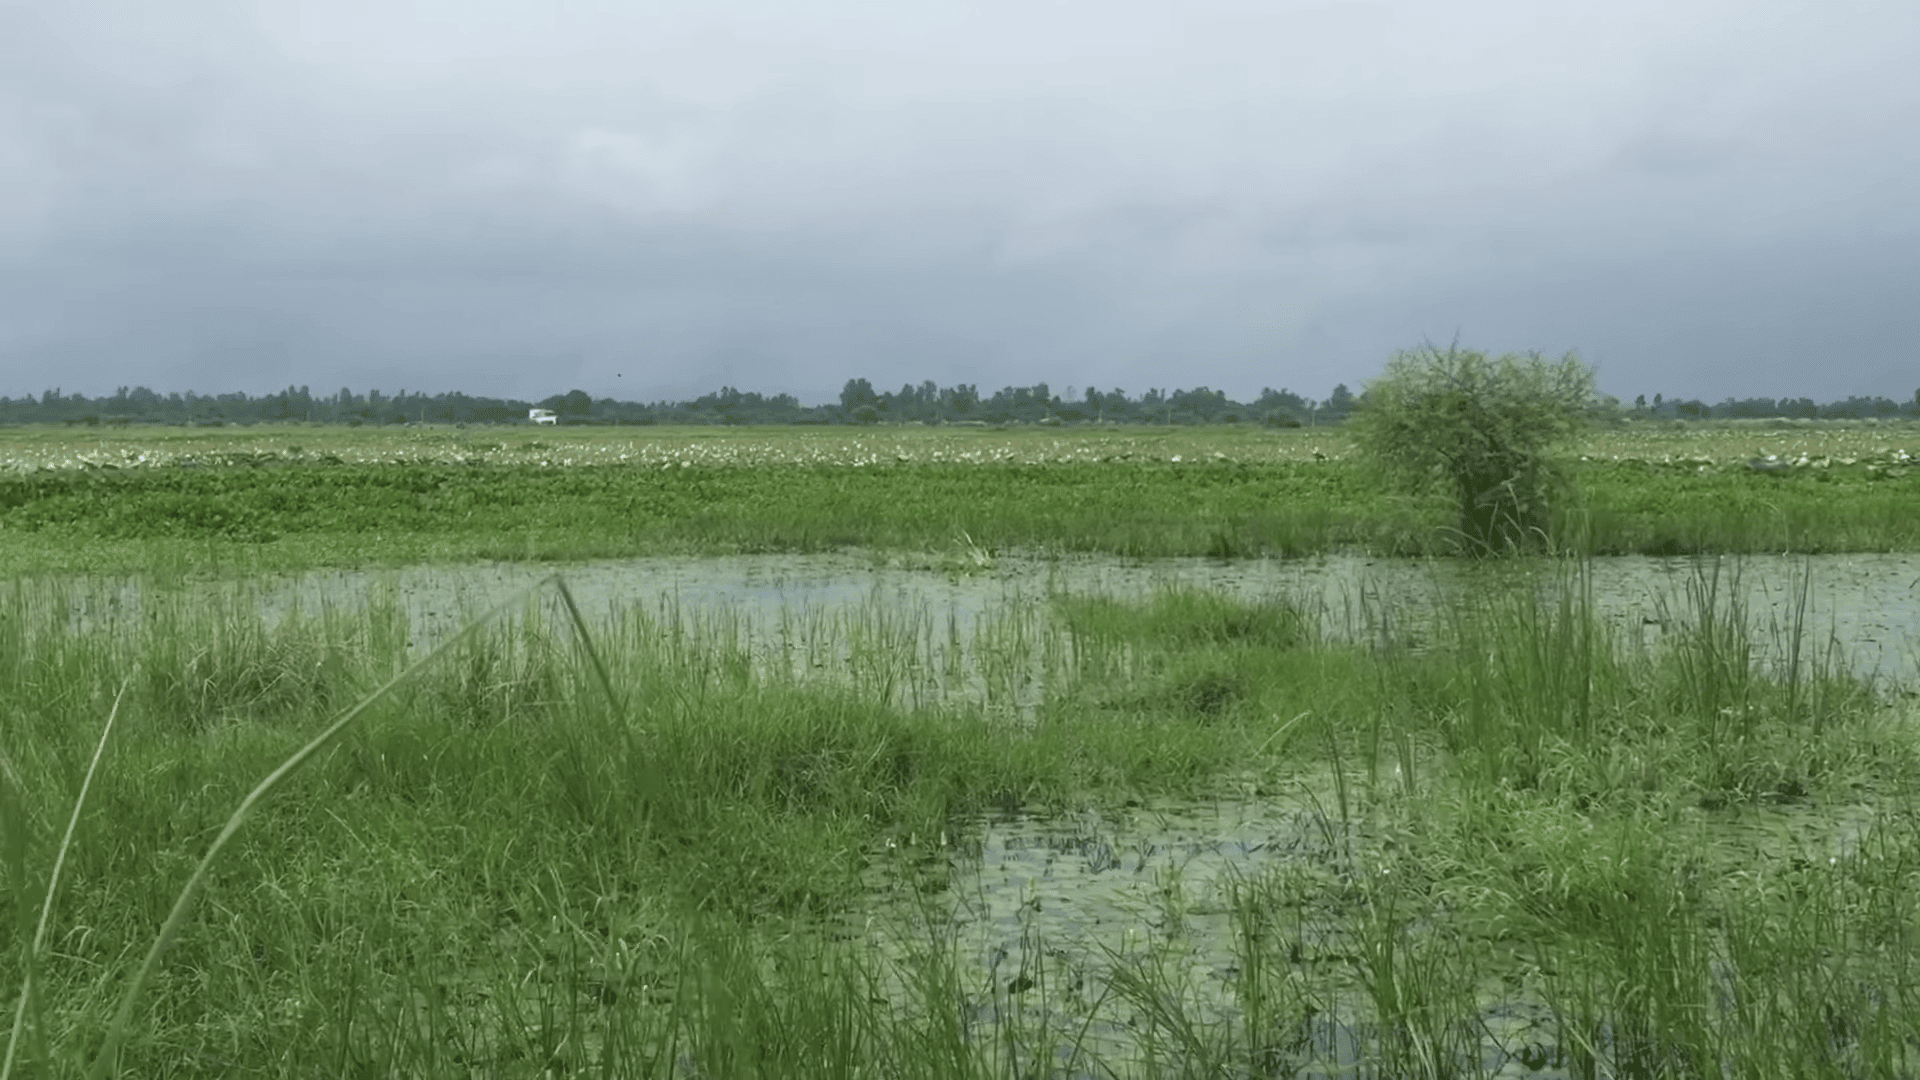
[542, 416]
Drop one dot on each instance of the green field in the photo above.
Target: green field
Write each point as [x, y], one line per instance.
[244, 500]
[649, 849]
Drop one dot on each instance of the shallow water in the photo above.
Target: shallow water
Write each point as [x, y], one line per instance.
[1040, 913]
[1861, 612]
[1044, 915]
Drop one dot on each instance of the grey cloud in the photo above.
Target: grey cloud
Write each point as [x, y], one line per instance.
[503, 196]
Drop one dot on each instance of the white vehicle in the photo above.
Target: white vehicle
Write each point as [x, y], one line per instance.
[542, 416]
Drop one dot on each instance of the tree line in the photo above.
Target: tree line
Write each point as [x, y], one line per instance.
[859, 403]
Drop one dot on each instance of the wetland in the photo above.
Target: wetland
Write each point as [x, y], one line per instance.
[962, 803]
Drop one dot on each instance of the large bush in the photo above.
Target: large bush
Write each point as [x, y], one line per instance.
[1479, 429]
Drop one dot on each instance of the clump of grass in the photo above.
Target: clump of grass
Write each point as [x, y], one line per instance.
[14, 844]
[108, 1059]
[1190, 618]
[1532, 690]
[1529, 677]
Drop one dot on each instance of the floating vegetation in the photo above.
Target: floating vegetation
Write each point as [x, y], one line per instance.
[1710, 446]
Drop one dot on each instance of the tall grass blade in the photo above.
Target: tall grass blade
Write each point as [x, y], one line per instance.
[53, 883]
[586, 639]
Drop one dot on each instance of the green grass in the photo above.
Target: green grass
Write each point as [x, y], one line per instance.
[271, 514]
[281, 516]
[509, 867]
[1639, 508]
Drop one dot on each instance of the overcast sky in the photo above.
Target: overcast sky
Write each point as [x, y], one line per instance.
[647, 199]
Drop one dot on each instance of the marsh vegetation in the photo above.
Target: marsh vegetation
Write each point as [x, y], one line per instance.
[254, 500]
[1237, 847]
[1099, 825]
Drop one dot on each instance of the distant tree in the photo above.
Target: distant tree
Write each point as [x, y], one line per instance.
[1860, 408]
[926, 402]
[1480, 427]
[856, 393]
[1281, 408]
[573, 403]
[1342, 401]
[1201, 405]
[959, 401]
